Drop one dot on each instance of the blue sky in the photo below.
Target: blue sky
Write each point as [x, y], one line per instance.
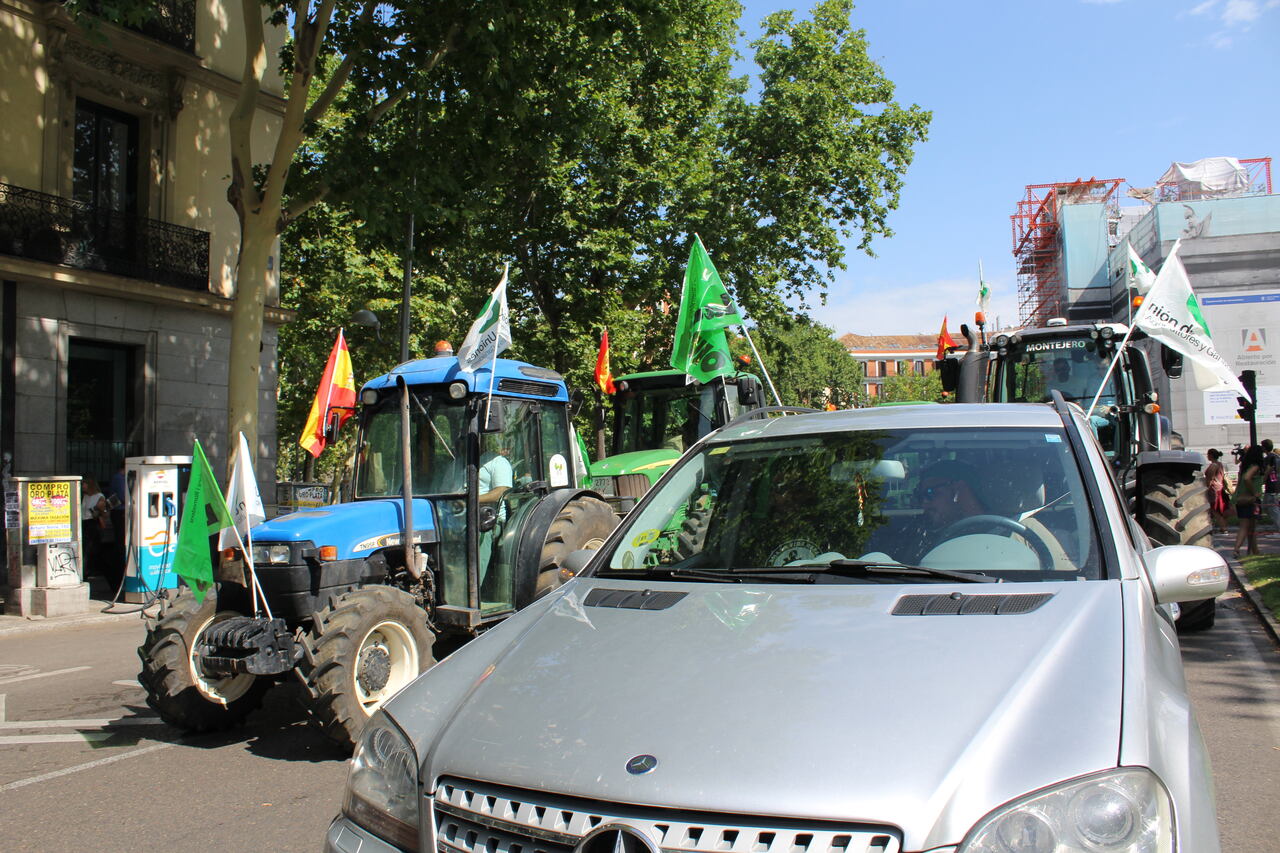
[1039, 91]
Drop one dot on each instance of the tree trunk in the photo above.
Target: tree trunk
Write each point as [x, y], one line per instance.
[244, 378]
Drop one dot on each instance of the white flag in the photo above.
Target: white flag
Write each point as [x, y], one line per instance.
[243, 498]
[1140, 275]
[984, 294]
[1171, 314]
[491, 332]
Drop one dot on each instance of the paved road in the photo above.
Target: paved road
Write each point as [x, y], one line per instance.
[129, 783]
[87, 767]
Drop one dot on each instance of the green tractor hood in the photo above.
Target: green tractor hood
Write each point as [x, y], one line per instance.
[652, 463]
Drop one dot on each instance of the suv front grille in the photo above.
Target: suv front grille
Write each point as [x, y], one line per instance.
[476, 817]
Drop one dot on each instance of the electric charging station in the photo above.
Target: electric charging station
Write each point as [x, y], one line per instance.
[155, 486]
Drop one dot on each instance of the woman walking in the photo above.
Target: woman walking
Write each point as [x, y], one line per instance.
[1248, 499]
[1215, 479]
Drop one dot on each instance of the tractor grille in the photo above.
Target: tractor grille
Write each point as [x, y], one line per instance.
[476, 817]
[524, 386]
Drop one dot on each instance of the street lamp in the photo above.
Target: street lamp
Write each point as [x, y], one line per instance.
[365, 317]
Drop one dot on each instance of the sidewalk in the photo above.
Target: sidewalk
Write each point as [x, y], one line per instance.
[99, 600]
[1268, 543]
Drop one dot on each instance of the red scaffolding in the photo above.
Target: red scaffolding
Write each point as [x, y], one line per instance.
[1037, 243]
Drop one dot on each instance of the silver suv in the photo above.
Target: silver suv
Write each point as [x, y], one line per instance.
[924, 628]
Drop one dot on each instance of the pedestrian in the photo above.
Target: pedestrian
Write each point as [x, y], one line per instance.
[1215, 480]
[1271, 483]
[1248, 499]
[93, 518]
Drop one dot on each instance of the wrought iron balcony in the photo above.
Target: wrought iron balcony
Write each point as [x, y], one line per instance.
[43, 227]
[171, 21]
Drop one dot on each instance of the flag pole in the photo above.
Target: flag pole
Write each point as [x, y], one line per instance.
[493, 365]
[1111, 369]
[763, 368]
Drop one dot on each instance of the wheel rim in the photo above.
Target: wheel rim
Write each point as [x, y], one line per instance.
[387, 660]
[226, 689]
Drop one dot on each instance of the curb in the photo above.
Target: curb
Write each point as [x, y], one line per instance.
[1254, 598]
[10, 625]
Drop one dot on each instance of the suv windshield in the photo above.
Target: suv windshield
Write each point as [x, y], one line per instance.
[437, 440]
[1004, 502]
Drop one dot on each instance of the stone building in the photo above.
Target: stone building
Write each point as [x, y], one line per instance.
[117, 244]
[883, 356]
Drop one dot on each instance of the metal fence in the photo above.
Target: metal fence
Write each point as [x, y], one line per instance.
[56, 230]
[98, 458]
[171, 21]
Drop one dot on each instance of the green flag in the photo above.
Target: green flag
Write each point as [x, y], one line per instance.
[204, 513]
[701, 349]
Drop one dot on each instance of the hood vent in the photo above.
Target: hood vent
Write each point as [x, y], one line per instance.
[524, 386]
[959, 604]
[629, 599]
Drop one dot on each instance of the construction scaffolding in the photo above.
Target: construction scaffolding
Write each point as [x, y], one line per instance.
[1037, 243]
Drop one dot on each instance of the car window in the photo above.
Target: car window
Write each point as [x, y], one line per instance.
[1003, 502]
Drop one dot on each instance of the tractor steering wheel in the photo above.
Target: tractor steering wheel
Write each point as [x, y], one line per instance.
[978, 523]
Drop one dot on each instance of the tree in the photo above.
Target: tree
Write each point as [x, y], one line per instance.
[907, 386]
[808, 366]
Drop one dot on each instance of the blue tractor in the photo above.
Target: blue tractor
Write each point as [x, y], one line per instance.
[487, 480]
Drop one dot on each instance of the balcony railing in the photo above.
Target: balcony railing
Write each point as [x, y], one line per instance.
[171, 21]
[43, 227]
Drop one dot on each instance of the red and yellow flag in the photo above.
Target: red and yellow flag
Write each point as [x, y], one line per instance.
[337, 390]
[944, 340]
[604, 375]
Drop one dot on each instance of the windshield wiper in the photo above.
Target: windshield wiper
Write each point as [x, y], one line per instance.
[870, 568]
[805, 574]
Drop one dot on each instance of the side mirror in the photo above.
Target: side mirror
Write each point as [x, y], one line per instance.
[1185, 573]
[575, 401]
[949, 373]
[749, 392]
[493, 415]
[1171, 361]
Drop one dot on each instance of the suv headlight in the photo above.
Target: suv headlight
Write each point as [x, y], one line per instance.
[1121, 811]
[382, 784]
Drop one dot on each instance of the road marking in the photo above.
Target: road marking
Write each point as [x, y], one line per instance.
[44, 777]
[16, 678]
[133, 683]
[1, 707]
[103, 723]
[78, 737]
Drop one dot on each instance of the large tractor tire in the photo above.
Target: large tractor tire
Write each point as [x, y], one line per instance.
[1175, 511]
[583, 525]
[361, 649]
[179, 690]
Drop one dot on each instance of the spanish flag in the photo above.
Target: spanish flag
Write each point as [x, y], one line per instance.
[337, 391]
[604, 374]
[945, 341]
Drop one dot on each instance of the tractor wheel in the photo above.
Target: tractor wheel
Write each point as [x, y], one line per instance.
[693, 533]
[361, 649]
[177, 687]
[1175, 511]
[583, 524]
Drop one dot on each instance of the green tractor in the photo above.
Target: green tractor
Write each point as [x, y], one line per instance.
[656, 416]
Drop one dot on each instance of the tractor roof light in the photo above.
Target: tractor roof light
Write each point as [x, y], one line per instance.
[1137, 301]
[1151, 408]
[1002, 341]
[368, 396]
[457, 390]
[1107, 331]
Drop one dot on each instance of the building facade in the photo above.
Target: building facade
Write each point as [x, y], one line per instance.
[882, 356]
[1072, 243]
[117, 244]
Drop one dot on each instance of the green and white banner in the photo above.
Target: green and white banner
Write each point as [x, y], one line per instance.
[1172, 315]
[490, 334]
[706, 309]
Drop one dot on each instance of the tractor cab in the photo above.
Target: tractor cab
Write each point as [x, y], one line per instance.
[1028, 365]
[656, 417]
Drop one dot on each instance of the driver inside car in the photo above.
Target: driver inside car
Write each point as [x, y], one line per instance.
[950, 492]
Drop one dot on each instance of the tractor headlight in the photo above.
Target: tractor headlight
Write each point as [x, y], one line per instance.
[1121, 811]
[270, 555]
[382, 784]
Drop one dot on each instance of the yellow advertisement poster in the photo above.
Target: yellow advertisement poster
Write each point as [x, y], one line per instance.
[49, 513]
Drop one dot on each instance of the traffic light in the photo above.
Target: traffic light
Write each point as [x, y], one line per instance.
[1248, 405]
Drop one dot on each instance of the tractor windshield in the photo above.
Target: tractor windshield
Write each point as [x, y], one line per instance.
[1071, 366]
[671, 417]
[437, 447]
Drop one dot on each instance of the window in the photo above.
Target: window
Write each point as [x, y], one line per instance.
[103, 392]
[105, 165]
[919, 368]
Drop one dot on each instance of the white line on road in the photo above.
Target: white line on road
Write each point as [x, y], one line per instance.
[44, 777]
[17, 678]
[131, 683]
[78, 737]
[102, 723]
[1, 707]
